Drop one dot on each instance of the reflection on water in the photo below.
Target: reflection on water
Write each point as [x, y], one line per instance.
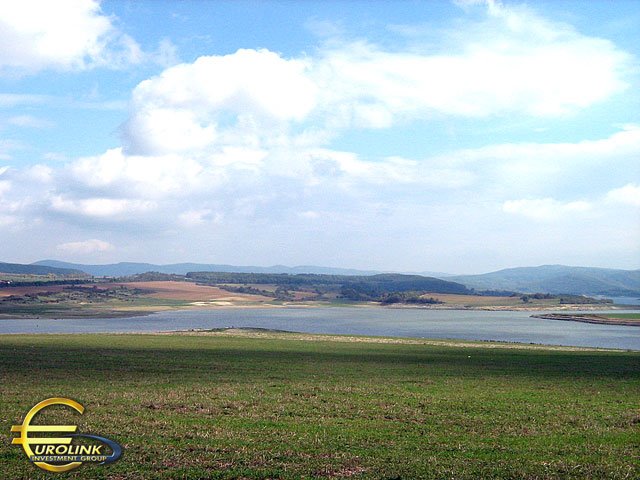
[466, 324]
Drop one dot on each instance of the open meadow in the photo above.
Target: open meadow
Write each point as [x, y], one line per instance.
[271, 405]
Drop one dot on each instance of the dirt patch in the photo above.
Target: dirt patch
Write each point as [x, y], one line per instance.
[192, 292]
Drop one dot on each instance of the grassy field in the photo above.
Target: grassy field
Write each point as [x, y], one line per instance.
[107, 309]
[298, 406]
[624, 316]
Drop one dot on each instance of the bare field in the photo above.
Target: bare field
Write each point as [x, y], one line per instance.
[169, 290]
[191, 292]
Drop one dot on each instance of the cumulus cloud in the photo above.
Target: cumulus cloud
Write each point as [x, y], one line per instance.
[145, 176]
[65, 34]
[627, 195]
[85, 247]
[224, 99]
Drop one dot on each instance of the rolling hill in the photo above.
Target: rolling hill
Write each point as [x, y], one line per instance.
[557, 279]
[371, 285]
[20, 269]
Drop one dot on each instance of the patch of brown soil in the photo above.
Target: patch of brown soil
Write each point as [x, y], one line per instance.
[191, 292]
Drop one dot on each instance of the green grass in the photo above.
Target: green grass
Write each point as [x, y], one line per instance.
[238, 407]
[111, 308]
[626, 316]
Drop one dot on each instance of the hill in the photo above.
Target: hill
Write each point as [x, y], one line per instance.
[20, 269]
[557, 279]
[130, 268]
[351, 287]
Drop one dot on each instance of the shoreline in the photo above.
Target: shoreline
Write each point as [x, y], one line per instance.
[588, 318]
[277, 334]
[149, 310]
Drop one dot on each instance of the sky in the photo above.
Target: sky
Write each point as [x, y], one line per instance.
[459, 137]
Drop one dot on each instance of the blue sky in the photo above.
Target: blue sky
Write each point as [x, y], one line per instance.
[459, 136]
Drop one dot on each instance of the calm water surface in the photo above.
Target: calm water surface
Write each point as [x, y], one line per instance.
[467, 325]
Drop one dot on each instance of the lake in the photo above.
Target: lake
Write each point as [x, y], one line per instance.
[419, 323]
[634, 301]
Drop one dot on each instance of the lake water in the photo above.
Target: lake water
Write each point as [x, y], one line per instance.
[635, 301]
[419, 323]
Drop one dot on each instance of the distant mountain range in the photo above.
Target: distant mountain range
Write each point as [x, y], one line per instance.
[20, 269]
[557, 279]
[130, 268]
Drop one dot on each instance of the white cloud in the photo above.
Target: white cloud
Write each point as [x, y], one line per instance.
[39, 174]
[5, 186]
[65, 34]
[85, 247]
[627, 195]
[532, 168]
[326, 166]
[513, 61]
[13, 204]
[218, 98]
[145, 176]
[101, 207]
[546, 209]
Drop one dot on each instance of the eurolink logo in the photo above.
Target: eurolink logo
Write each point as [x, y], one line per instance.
[58, 454]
